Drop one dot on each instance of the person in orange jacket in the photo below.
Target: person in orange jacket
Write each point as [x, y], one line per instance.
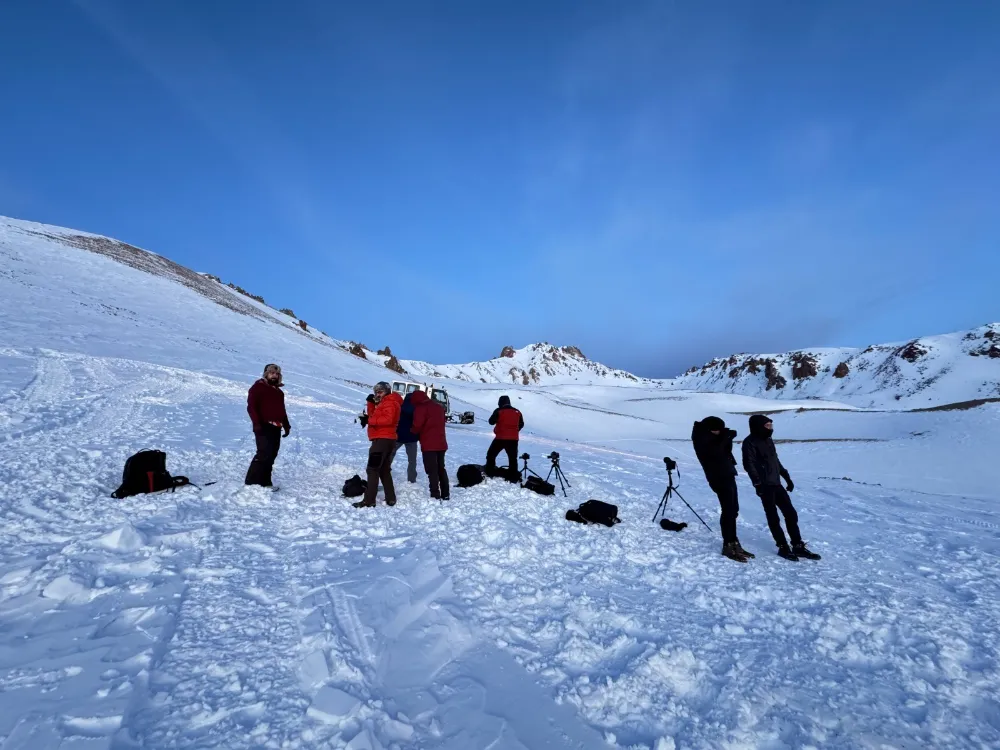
[382, 419]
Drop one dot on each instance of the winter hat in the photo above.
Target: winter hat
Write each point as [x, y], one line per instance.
[757, 422]
[713, 423]
[504, 401]
[382, 387]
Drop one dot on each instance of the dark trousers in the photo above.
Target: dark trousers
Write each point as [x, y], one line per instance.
[380, 468]
[729, 503]
[774, 498]
[411, 459]
[437, 474]
[268, 441]
[502, 445]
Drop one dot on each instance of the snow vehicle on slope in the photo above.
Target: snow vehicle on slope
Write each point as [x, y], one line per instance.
[438, 395]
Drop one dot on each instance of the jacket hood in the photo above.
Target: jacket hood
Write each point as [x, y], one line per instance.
[392, 397]
[417, 398]
[713, 423]
[504, 401]
[757, 422]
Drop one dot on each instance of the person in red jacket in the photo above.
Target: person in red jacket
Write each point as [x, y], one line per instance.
[383, 418]
[509, 423]
[266, 407]
[429, 427]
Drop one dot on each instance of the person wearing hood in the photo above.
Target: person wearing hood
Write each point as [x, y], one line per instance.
[266, 407]
[383, 409]
[406, 438]
[429, 424]
[760, 460]
[713, 445]
[508, 423]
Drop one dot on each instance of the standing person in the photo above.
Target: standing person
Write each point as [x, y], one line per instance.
[508, 423]
[713, 444]
[429, 423]
[405, 437]
[266, 407]
[760, 460]
[383, 418]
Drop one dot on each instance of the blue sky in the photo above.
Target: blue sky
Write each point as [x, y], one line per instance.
[658, 183]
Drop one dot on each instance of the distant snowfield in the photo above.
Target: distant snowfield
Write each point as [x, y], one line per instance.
[233, 618]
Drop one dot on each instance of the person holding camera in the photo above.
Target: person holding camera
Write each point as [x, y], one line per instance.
[266, 407]
[429, 426]
[381, 419]
[508, 423]
[713, 444]
[760, 460]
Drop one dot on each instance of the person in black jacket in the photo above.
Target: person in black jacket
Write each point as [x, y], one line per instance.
[760, 460]
[404, 437]
[713, 444]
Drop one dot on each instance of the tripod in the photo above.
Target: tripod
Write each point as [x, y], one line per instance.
[525, 470]
[672, 490]
[559, 475]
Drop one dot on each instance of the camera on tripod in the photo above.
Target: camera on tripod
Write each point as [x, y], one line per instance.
[671, 464]
[524, 456]
[553, 456]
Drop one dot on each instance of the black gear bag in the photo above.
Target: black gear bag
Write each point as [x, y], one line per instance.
[355, 486]
[536, 484]
[595, 511]
[469, 475]
[146, 471]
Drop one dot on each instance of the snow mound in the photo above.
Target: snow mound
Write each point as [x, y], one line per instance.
[125, 538]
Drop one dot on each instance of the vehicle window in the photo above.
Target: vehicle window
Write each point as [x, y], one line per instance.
[398, 387]
[411, 388]
[440, 396]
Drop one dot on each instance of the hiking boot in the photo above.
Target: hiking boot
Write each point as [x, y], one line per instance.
[363, 504]
[732, 551]
[800, 549]
[390, 502]
[743, 552]
[786, 553]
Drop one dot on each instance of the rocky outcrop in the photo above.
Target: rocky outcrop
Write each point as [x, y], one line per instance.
[774, 377]
[911, 352]
[508, 351]
[387, 352]
[842, 371]
[393, 364]
[804, 366]
[357, 350]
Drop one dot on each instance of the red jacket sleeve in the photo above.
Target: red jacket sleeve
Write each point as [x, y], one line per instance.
[252, 398]
[419, 420]
[284, 418]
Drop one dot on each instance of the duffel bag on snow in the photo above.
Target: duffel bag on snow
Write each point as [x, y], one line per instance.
[595, 511]
[539, 485]
[512, 475]
[355, 487]
[146, 471]
[469, 475]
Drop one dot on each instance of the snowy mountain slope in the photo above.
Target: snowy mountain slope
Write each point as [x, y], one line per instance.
[925, 372]
[538, 364]
[233, 618]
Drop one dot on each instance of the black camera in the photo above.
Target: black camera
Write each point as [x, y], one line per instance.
[525, 456]
[553, 456]
[671, 464]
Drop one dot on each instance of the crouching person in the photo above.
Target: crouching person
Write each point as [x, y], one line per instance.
[760, 459]
[508, 423]
[266, 407]
[429, 427]
[383, 409]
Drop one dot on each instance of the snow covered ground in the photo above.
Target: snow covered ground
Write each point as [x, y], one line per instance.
[230, 617]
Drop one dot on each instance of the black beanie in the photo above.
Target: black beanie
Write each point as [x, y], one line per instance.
[757, 422]
[713, 423]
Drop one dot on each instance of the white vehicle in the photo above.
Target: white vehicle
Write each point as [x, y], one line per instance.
[436, 393]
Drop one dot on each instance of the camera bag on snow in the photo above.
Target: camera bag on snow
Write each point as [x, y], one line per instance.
[595, 511]
[512, 475]
[146, 471]
[470, 475]
[539, 485]
[355, 487]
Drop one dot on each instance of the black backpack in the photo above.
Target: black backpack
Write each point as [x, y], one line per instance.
[355, 486]
[470, 475]
[595, 511]
[146, 471]
[512, 475]
[535, 484]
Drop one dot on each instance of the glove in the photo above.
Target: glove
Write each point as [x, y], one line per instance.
[287, 430]
[371, 398]
[364, 420]
[731, 434]
[789, 484]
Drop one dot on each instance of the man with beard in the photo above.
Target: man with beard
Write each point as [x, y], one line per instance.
[760, 460]
[383, 409]
[713, 444]
[266, 407]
